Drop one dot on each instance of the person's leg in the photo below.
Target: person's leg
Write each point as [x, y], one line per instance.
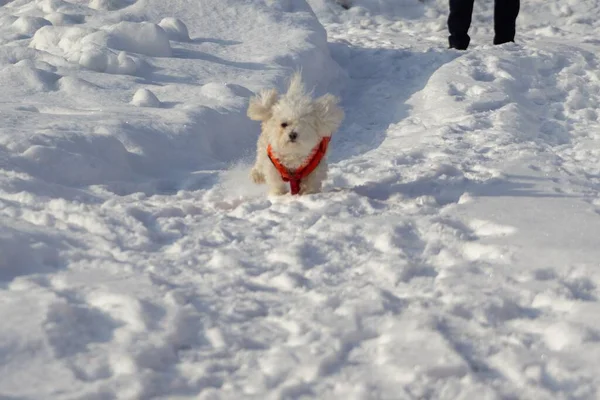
[505, 19]
[459, 22]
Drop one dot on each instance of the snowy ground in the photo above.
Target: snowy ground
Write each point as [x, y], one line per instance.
[454, 254]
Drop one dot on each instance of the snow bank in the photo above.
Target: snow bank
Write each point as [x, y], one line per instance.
[400, 8]
[236, 55]
[309, 49]
[406, 9]
[95, 49]
[122, 99]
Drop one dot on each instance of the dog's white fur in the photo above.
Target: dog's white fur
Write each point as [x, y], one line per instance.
[311, 120]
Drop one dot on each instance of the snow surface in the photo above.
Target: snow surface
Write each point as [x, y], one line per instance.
[145, 98]
[453, 255]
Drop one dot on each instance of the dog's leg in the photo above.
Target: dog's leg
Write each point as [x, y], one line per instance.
[257, 176]
[314, 182]
[277, 186]
[278, 190]
[310, 187]
[257, 173]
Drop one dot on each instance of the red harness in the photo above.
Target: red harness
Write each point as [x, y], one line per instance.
[295, 176]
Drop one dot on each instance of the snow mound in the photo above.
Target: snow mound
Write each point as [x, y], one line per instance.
[145, 98]
[308, 50]
[29, 25]
[26, 78]
[59, 18]
[74, 86]
[175, 29]
[87, 48]
[143, 38]
[289, 5]
[121, 63]
[50, 6]
[564, 335]
[110, 5]
[221, 94]
[72, 159]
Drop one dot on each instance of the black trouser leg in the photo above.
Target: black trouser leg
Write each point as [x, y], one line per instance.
[459, 22]
[505, 20]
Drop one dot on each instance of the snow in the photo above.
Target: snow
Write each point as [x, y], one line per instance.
[453, 254]
[175, 29]
[29, 25]
[144, 38]
[145, 98]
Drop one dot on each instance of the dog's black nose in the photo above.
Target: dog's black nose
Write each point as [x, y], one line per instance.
[293, 136]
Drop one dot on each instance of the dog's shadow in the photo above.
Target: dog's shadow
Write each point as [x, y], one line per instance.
[381, 82]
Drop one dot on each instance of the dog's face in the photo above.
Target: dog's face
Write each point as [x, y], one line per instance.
[295, 123]
[293, 128]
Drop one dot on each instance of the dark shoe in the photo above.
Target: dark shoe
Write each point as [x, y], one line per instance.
[456, 47]
[458, 44]
[501, 40]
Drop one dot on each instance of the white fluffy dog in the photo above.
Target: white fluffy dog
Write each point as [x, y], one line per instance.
[294, 137]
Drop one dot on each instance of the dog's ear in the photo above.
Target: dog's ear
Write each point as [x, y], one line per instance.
[329, 114]
[260, 106]
[296, 87]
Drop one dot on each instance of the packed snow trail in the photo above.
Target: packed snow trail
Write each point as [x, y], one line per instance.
[452, 255]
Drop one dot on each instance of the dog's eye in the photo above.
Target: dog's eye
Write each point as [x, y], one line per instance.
[284, 124]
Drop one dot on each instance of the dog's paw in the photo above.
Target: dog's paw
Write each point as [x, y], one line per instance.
[310, 188]
[277, 191]
[257, 176]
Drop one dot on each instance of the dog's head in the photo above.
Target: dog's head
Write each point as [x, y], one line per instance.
[294, 122]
